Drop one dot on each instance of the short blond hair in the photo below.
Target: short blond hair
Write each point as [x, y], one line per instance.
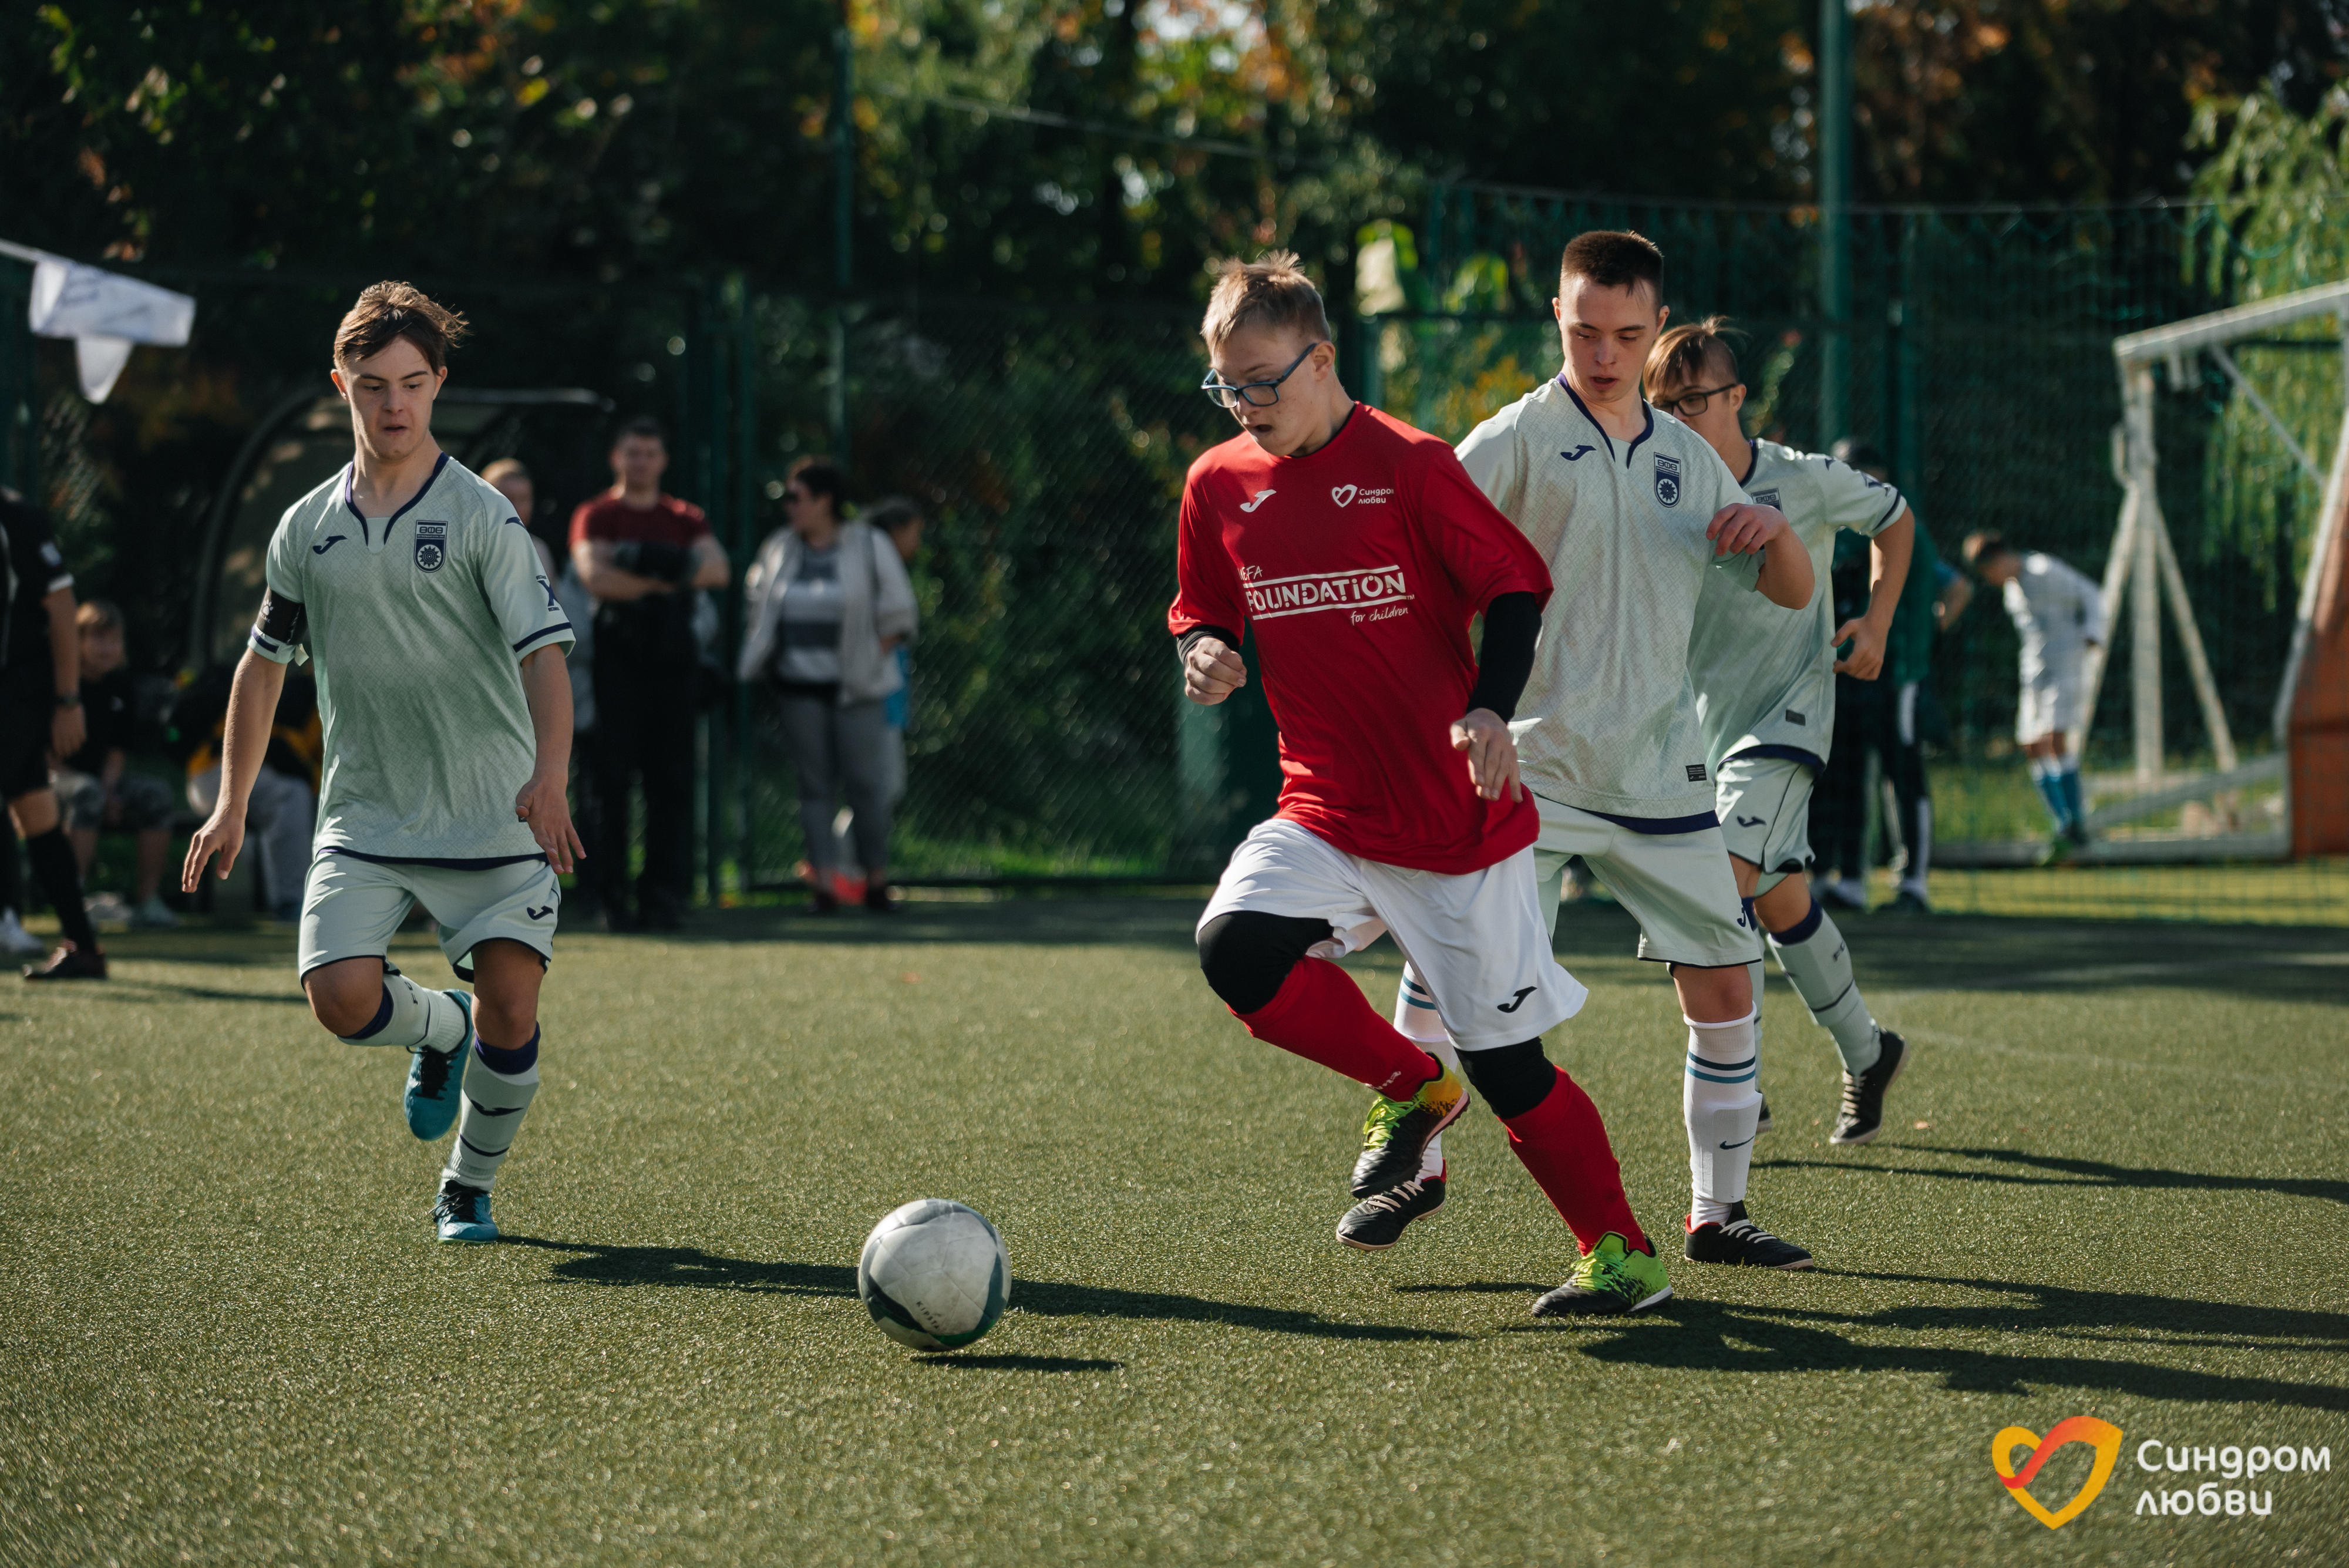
[1271, 291]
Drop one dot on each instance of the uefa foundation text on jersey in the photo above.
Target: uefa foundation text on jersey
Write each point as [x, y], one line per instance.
[2231, 1462]
[1357, 587]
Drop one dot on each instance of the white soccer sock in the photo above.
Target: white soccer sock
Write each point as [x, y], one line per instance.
[412, 1016]
[1721, 1108]
[1415, 1020]
[1815, 957]
[496, 1100]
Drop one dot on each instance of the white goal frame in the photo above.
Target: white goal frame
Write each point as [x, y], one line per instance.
[2142, 570]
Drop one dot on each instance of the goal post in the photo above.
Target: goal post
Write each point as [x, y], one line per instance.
[2311, 716]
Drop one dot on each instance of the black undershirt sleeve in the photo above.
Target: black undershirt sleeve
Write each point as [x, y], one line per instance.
[1512, 628]
[1182, 644]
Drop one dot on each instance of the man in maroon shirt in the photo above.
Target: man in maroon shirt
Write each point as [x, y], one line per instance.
[1359, 550]
[642, 554]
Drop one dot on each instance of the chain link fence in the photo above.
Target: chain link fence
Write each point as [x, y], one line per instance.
[1047, 449]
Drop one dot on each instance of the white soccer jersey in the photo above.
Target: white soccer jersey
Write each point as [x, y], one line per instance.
[1765, 677]
[2058, 612]
[1607, 722]
[417, 625]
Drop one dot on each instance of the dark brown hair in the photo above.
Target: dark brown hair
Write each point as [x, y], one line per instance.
[388, 311]
[822, 477]
[1691, 354]
[1985, 545]
[1614, 259]
[1271, 291]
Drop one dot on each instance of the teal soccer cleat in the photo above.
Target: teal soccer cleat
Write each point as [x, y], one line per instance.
[462, 1213]
[435, 1081]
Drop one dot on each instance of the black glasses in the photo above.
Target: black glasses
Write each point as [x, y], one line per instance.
[1257, 394]
[1693, 401]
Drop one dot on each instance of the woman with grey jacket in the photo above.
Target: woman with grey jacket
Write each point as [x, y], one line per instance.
[827, 602]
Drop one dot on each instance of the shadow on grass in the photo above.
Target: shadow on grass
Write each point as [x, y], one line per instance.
[1714, 1336]
[597, 1263]
[1019, 1364]
[1042, 922]
[2088, 1173]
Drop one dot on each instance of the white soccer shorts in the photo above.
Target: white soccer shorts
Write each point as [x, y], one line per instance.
[2056, 703]
[1477, 940]
[351, 908]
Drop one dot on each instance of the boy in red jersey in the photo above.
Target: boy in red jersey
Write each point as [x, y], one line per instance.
[1359, 550]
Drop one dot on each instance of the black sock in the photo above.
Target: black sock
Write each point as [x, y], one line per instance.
[60, 878]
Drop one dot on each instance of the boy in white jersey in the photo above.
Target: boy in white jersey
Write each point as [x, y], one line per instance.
[1765, 697]
[439, 648]
[2059, 615]
[1633, 511]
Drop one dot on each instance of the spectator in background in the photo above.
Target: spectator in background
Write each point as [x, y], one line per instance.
[1887, 716]
[2059, 615]
[92, 784]
[642, 556]
[898, 517]
[285, 802]
[513, 481]
[827, 606]
[41, 717]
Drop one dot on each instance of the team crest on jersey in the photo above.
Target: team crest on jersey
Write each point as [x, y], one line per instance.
[1668, 480]
[431, 545]
[1765, 498]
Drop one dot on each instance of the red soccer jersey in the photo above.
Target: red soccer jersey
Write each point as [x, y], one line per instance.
[1360, 566]
[668, 521]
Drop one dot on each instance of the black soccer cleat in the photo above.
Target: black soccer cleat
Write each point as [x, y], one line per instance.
[1862, 1116]
[69, 962]
[1378, 1221]
[1742, 1243]
[1396, 1133]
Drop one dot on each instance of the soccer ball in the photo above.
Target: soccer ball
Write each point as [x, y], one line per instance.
[934, 1275]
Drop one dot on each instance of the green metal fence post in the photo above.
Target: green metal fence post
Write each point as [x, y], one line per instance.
[1834, 169]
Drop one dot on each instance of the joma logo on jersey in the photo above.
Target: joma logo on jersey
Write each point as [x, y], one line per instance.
[1273, 597]
[431, 545]
[1668, 480]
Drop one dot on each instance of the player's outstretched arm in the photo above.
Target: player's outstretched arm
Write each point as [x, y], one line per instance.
[1786, 578]
[544, 801]
[252, 704]
[1867, 632]
[1212, 669]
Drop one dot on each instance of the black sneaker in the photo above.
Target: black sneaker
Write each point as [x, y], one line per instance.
[1862, 1116]
[1762, 1124]
[1377, 1222]
[1397, 1132]
[69, 962]
[1741, 1243]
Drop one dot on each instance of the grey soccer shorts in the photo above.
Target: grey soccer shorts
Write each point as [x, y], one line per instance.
[351, 907]
[1765, 806]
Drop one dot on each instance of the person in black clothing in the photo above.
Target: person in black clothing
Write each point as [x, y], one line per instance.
[40, 713]
[95, 788]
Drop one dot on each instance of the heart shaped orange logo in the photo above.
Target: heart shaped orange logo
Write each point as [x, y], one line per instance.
[2102, 1436]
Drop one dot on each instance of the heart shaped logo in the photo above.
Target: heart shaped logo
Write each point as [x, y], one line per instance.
[2102, 1436]
[1341, 494]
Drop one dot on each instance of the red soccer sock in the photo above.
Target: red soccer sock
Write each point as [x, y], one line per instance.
[1320, 1014]
[1563, 1145]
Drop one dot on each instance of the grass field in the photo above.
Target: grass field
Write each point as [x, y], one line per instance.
[2115, 1188]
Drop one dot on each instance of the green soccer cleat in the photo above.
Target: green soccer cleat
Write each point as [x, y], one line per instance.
[435, 1081]
[1613, 1278]
[1397, 1132]
[462, 1213]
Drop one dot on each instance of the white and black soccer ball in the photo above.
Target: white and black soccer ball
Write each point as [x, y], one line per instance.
[934, 1275]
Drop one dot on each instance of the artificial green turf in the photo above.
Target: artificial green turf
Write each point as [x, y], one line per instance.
[228, 1338]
